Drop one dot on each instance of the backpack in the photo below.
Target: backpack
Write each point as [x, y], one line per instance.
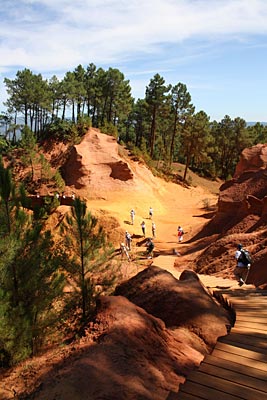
[151, 246]
[245, 257]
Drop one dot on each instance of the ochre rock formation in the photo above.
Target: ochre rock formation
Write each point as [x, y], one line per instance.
[179, 304]
[94, 161]
[245, 193]
[95, 169]
[252, 159]
[241, 218]
[137, 354]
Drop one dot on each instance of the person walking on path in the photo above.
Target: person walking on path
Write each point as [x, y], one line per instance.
[242, 267]
[153, 227]
[150, 247]
[124, 252]
[132, 214]
[150, 212]
[143, 226]
[180, 233]
[128, 240]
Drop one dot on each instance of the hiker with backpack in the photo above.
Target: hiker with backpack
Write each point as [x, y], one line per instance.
[150, 247]
[243, 264]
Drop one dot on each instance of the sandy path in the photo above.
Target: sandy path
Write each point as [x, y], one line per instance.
[172, 206]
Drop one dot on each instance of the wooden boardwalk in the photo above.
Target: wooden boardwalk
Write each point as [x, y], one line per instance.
[237, 367]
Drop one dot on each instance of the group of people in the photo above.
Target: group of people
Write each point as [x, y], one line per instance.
[125, 248]
[149, 243]
[143, 224]
[242, 256]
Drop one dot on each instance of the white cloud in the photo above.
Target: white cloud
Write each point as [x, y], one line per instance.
[142, 37]
[50, 34]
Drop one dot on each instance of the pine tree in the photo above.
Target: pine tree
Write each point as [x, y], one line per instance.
[30, 280]
[90, 250]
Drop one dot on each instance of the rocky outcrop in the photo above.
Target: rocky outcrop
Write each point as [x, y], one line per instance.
[179, 304]
[136, 354]
[241, 218]
[93, 163]
[246, 193]
[252, 159]
[100, 168]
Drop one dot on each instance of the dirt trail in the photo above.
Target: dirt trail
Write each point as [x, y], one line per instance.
[113, 181]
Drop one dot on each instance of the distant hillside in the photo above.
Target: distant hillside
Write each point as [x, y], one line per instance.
[251, 123]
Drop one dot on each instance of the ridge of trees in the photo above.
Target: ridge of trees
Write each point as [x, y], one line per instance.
[164, 125]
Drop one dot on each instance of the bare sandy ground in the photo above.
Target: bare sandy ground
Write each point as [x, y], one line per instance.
[113, 181]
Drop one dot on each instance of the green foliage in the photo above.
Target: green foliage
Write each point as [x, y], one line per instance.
[109, 129]
[29, 145]
[83, 124]
[50, 204]
[195, 139]
[59, 129]
[28, 306]
[30, 281]
[155, 97]
[3, 145]
[46, 172]
[88, 266]
[139, 153]
[59, 181]
[93, 96]
[230, 138]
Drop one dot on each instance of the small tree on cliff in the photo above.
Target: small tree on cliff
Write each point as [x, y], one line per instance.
[30, 280]
[89, 252]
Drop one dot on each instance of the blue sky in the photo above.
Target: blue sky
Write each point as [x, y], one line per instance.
[218, 48]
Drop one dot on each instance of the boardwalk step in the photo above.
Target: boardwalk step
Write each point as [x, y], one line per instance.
[237, 367]
[227, 386]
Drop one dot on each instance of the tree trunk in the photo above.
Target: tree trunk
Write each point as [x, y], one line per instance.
[186, 168]
[153, 133]
[173, 137]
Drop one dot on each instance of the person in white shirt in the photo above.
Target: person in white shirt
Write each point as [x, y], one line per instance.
[132, 214]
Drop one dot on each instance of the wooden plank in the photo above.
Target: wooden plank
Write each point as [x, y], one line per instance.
[253, 307]
[246, 342]
[257, 311]
[251, 314]
[236, 350]
[238, 364]
[233, 376]
[250, 299]
[253, 324]
[255, 332]
[205, 392]
[249, 362]
[226, 386]
[237, 367]
[183, 396]
[250, 302]
[254, 318]
[257, 305]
